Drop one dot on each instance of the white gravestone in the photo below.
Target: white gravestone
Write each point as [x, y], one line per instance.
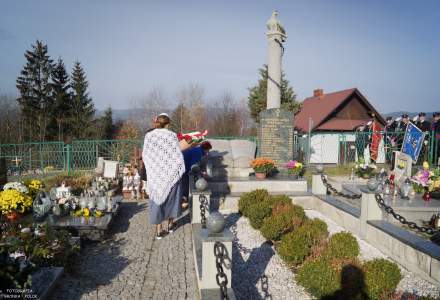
[111, 169]
[100, 165]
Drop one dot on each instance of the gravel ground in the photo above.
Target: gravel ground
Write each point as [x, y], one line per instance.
[258, 272]
[410, 282]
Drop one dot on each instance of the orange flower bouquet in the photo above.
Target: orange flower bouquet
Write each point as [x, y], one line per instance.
[262, 165]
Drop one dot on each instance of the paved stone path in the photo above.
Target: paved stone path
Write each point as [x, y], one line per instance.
[131, 264]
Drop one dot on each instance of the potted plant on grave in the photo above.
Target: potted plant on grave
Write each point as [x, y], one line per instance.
[295, 169]
[365, 170]
[262, 166]
[14, 203]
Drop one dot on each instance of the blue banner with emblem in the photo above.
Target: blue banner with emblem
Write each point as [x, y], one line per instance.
[413, 141]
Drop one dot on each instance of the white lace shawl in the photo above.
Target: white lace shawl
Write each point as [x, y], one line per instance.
[164, 163]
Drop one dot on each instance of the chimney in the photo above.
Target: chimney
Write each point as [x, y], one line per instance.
[318, 93]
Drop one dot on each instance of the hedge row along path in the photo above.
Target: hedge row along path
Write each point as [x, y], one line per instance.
[131, 264]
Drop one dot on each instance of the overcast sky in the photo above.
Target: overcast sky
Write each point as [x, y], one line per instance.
[390, 50]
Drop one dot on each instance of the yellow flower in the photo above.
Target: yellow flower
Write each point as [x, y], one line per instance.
[86, 212]
[425, 165]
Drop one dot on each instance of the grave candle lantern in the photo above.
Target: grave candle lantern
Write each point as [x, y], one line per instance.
[405, 188]
[387, 187]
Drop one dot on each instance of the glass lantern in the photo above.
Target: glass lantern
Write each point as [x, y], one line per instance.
[405, 189]
[387, 187]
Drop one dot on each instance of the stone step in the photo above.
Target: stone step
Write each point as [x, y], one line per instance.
[234, 186]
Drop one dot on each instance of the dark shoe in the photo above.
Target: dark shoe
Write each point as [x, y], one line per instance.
[172, 227]
[160, 235]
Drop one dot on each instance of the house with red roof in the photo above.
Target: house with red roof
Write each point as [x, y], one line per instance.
[331, 119]
[338, 111]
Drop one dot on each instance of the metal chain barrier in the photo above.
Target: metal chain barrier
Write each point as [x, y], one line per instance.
[237, 243]
[220, 253]
[336, 192]
[203, 201]
[401, 218]
[265, 287]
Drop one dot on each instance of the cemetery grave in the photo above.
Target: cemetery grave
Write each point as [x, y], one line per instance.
[36, 221]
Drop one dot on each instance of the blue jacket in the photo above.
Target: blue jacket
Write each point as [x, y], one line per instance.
[192, 156]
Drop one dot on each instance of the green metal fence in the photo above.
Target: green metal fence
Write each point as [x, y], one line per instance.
[335, 147]
[343, 148]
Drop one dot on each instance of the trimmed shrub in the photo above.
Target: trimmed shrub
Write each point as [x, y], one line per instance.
[296, 246]
[318, 277]
[257, 212]
[280, 200]
[381, 278]
[247, 199]
[342, 245]
[276, 225]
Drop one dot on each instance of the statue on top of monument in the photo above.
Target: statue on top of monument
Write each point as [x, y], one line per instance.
[274, 26]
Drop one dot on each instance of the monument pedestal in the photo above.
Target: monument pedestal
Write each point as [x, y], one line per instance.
[276, 135]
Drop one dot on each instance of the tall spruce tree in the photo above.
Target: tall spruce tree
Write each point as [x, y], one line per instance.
[61, 110]
[35, 90]
[83, 109]
[257, 99]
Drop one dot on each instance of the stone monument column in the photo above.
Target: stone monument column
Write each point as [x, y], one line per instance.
[276, 125]
[276, 35]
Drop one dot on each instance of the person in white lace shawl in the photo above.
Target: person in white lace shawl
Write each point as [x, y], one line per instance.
[163, 159]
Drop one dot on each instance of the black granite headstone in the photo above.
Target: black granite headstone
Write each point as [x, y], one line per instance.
[276, 135]
[3, 171]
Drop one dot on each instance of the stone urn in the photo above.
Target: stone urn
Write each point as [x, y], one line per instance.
[215, 223]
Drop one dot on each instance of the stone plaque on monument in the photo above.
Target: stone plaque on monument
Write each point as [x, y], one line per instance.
[276, 135]
[3, 172]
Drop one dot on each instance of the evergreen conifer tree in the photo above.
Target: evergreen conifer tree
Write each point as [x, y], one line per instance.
[60, 113]
[83, 109]
[257, 99]
[35, 90]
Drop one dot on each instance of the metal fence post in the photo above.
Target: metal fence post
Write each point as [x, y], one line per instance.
[68, 153]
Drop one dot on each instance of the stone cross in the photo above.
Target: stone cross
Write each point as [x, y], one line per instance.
[276, 35]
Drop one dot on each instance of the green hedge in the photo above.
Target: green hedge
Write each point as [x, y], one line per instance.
[280, 200]
[276, 225]
[257, 212]
[296, 246]
[381, 278]
[342, 245]
[247, 199]
[318, 277]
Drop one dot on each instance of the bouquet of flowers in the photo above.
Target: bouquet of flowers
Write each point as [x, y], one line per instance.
[364, 169]
[295, 168]
[18, 186]
[425, 179]
[262, 165]
[34, 187]
[193, 137]
[12, 200]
